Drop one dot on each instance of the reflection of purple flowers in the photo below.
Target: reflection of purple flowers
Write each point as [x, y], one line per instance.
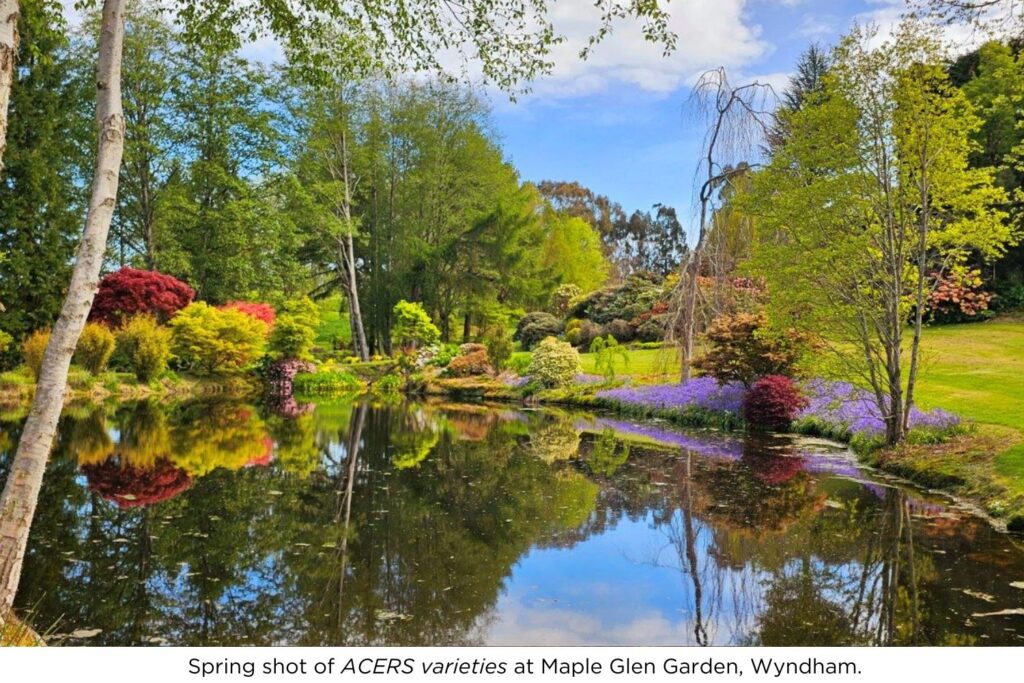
[700, 393]
[846, 409]
[707, 445]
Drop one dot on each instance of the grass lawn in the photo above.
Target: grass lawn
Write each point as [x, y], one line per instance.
[333, 324]
[647, 366]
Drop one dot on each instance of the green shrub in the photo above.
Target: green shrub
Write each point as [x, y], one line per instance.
[554, 363]
[588, 332]
[389, 384]
[572, 331]
[5, 341]
[325, 382]
[302, 309]
[563, 297]
[499, 346]
[145, 347]
[535, 326]
[413, 328]
[621, 330]
[33, 349]
[95, 347]
[292, 337]
[443, 355]
[519, 363]
[208, 340]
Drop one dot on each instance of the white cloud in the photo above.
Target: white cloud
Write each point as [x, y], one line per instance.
[710, 33]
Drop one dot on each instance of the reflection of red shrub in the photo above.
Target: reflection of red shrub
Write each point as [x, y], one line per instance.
[136, 487]
[264, 458]
[129, 292]
[774, 469]
[254, 309]
[772, 402]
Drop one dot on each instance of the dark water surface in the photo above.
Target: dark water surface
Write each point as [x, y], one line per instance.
[350, 523]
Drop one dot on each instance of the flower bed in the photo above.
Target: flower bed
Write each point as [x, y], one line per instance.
[701, 401]
[841, 411]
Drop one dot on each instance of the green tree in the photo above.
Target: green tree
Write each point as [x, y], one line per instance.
[572, 252]
[869, 194]
[40, 191]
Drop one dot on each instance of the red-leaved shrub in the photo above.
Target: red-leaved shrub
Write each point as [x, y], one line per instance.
[130, 486]
[255, 309]
[772, 402]
[473, 363]
[130, 292]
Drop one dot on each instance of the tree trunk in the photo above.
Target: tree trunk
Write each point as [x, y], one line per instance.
[8, 53]
[18, 502]
[467, 328]
[358, 332]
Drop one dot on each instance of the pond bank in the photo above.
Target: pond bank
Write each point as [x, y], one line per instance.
[966, 465]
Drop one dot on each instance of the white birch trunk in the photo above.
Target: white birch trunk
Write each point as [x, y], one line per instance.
[8, 52]
[21, 491]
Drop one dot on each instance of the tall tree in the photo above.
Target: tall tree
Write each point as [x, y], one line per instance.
[41, 189]
[870, 194]
[21, 491]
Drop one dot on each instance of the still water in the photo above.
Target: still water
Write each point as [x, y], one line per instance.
[438, 524]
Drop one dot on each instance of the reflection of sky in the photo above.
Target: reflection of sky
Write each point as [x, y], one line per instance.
[623, 587]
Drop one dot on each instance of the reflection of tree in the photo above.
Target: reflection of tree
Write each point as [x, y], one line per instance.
[130, 486]
[211, 435]
[359, 551]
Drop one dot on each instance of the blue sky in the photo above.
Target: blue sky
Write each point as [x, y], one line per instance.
[617, 125]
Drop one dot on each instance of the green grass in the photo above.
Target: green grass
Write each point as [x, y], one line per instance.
[647, 366]
[333, 325]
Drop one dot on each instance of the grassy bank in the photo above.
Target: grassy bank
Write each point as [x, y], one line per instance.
[975, 370]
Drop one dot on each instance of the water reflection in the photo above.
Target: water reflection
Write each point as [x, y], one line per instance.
[349, 523]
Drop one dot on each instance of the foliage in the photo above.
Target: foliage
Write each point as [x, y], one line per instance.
[701, 401]
[280, 376]
[325, 382]
[499, 346]
[587, 333]
[33, 349]
[129, 292]
[145, 346]
[49, 130]
[852, 243]
[472, 363]
[533, 327]
[5, 342]
[773, 402]
[635, 296]
[413, 327]
[562, 297]
[208, 340]
[621, 330]
[554, 363]
[291, 337]
[744, 349]
[958, 297]
[256, 309]
[573, 254]
[519, 363]
[95, 347]
[606, 350]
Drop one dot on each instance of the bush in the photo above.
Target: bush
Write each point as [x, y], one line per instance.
[474, 363]
[208, 340]
[499, 346]
[95, 347]
[636, 295]
[742, 350]
[773, 403]
[958, 297]
[145, 347]
[572, 331]
[536, 326]
[563, 297]
[554, 363]
[129, 292]
[291, 337]
[260, 311]
[302, 309]
[413, 327]
[519, 363]
[588, 332]
[5, 341]
[651, 330]
[621, 330]
[33, 349]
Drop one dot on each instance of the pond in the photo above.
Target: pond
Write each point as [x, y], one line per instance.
[219, 523]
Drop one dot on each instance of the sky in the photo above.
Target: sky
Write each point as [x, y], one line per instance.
[618, 123]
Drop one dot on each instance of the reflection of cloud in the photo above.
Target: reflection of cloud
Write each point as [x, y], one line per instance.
[519, 624]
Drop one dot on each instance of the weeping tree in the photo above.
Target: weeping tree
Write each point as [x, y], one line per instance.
[736, 119]
[510, 39]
